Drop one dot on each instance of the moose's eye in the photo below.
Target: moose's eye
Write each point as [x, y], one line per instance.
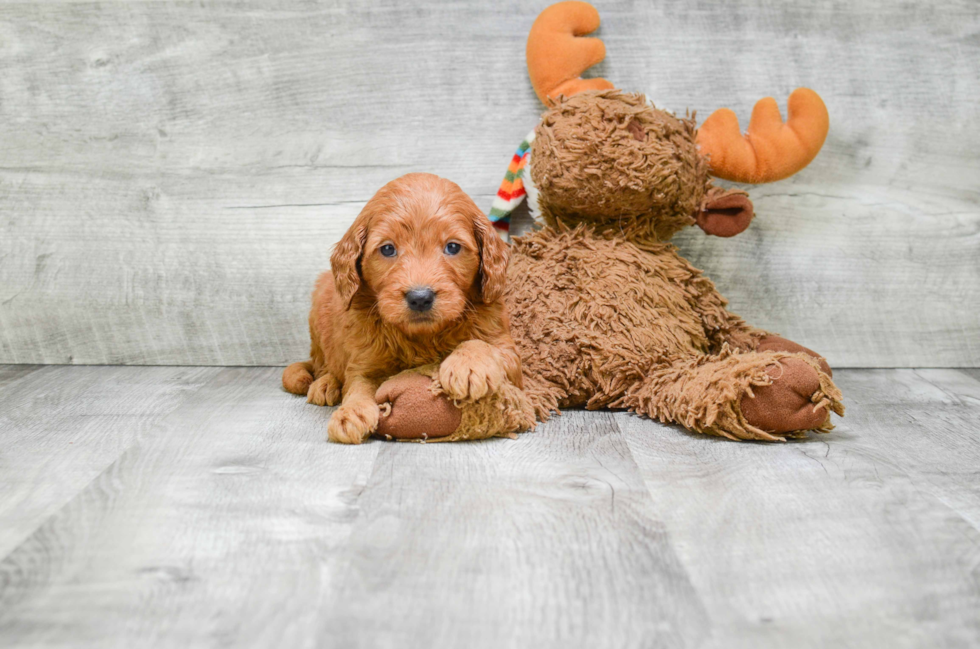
[452, 248]
[387, 250]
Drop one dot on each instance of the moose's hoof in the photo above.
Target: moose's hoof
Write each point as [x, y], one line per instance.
[787, 404]
[410, 410]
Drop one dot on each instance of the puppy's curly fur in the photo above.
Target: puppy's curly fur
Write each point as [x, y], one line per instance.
[362, 327]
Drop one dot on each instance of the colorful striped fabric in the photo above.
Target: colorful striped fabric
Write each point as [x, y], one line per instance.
[511, 191]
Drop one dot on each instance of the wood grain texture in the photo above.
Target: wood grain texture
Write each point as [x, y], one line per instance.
[173, 174]
[200, 507]
[543, 542]
[867, 536]
[13, 373]
[216, 525]
[230, 521]
[60, 431]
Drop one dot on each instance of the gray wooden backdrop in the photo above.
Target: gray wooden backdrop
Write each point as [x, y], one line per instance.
[172, 175]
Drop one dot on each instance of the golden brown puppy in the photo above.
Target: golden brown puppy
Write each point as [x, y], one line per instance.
[417, 279]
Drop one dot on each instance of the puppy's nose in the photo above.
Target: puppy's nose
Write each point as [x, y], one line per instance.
[420, 299]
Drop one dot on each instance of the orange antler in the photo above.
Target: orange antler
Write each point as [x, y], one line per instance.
[770, 150]
[556, 56]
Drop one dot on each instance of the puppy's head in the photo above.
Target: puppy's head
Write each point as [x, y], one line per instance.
[420, 252]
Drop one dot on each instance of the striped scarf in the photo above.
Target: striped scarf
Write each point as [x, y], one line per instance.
[511, 192]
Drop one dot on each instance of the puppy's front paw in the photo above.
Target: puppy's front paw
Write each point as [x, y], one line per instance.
[472, 371]
[352, 423]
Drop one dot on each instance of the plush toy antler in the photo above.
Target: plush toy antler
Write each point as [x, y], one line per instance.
[770, 150]
[556, 56]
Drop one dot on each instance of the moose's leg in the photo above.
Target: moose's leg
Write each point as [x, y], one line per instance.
[751, 396]
[721, 326]
[724, 327]
[544, 396]
[414, 406]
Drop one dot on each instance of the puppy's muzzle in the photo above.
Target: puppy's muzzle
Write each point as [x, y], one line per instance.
[420, 300]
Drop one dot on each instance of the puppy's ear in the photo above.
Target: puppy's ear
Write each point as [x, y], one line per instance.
[345, 262]
[493, 259]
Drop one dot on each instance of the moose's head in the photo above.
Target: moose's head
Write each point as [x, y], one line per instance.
[611, 159]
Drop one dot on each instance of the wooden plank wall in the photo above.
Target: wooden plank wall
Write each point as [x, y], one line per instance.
[172, 175]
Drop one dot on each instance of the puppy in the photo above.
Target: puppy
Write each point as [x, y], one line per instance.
[417, 279]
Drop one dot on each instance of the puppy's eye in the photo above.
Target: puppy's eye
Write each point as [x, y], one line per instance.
[387, 250]
[452, 248]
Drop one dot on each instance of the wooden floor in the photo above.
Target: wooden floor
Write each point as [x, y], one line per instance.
[184, 506]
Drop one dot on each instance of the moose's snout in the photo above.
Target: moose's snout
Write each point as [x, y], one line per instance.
[420, 299]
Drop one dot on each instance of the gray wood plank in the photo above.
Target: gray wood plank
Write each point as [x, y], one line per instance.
[216, 526]
[13, 373]
[202, 507]
[173, 175]
[866, 537]
[546, 541]
[59, 430]
[231, 521]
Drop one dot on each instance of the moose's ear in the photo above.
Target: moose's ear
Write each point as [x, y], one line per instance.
[345, 262]
[725, 213]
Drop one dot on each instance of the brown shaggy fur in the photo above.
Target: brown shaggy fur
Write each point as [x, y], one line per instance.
[607, 158]
[606, 313]
[361, 328]
[625, 311]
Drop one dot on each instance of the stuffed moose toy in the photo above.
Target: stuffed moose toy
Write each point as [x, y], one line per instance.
[604, 311]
